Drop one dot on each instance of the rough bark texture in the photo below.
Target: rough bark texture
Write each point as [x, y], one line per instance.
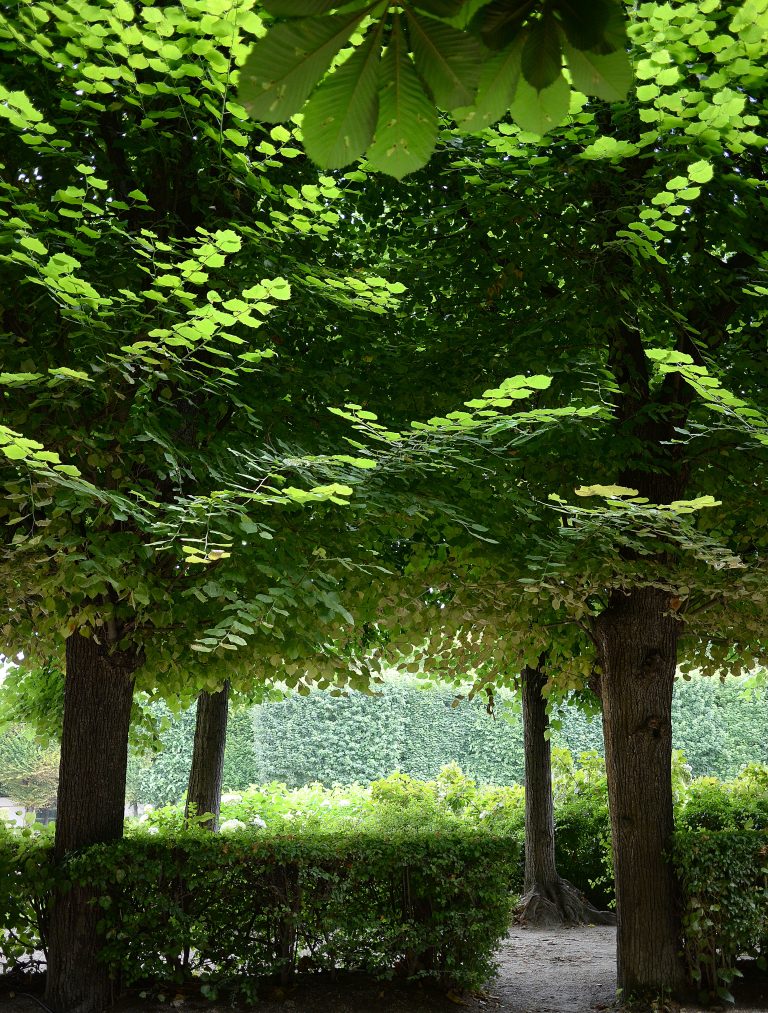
[204, 791]
[98, 693]
[638, 635]
[547, 899]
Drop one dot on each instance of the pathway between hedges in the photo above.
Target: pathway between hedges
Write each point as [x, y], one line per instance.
[541, 971]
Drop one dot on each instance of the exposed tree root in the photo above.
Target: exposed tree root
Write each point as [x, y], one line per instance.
[559, 903]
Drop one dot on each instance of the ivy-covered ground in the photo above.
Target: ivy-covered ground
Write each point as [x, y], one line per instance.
[541, 971]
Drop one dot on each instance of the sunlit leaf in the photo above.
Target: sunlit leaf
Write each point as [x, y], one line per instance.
[495, 90]
[540, 111]
[606, 76]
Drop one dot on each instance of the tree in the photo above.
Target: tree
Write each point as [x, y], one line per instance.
[207, 767]
[133, 378]
[621, 256]
[547, 899]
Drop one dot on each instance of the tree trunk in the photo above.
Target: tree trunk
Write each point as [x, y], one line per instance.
[98, 692]
[204, 792]
[548, 899]
[638, 635]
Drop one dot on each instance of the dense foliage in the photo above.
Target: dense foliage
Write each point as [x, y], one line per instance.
[184, 295]
[394, 884]
[160, 777]
[719, 726]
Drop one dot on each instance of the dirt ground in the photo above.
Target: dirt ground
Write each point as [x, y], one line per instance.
[541, 971]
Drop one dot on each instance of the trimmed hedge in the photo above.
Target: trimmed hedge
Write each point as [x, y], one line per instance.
[721, 854]
[235, 909]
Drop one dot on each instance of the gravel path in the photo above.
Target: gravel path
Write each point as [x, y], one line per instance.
[541, 971]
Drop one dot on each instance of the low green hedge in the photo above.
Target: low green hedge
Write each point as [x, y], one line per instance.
[238, 908]
[383, 887]
[721, 854]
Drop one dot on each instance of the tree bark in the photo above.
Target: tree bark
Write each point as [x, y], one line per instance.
[547, 899]
[637, 634]
[98, 693]
[204, 791]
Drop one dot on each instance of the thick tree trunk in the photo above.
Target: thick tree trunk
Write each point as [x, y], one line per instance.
[638, 635]
[548, 899]
[204, 791]
[98, 692]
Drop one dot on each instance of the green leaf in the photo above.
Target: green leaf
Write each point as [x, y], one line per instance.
[448, 60]
[542, 59]
[606, 76]
[611, 491]
[340, 118]
[700, 172]
[406, 130]
[540, 111]
[499, 23]
[440, 8]
[283, 67]
[495, 91]
[30, 243]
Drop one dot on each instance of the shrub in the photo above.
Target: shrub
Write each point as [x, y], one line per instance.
[238, 907]
[721, 853]
[724, 875]
[386, 897]
[26, 879]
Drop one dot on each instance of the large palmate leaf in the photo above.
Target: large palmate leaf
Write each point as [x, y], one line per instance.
[607, 76]
[447, 59]
[440, 8]
[302, 8]
[284, 66]
[442, 63]
[407, 127]
[340, 118]
[495, 90]
[585, 22]
[498, 23]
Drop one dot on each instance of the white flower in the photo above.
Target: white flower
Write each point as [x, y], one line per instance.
[231, 825]
[153, 830]
[257, 821]
[231, 797]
